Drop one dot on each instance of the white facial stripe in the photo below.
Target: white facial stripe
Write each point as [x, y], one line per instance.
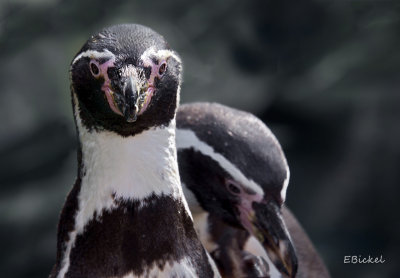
[163, 54]
[285, 185]
[160, 54]
[93, 54]
[187, 139]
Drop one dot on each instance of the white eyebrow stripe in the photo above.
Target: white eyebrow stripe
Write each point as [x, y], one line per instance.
[94, 54]
[186, 139]
[160, 54]
[285, 185]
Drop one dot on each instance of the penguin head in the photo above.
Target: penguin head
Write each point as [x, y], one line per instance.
[208, 181]
[125, 79]
[237, 171]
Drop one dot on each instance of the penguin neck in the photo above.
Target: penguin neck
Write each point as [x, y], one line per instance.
[123, 184]
[132, 167]
[116, 168]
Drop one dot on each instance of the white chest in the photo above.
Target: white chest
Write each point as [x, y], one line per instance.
[131, 168]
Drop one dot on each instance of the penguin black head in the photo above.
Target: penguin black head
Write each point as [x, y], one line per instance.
[236, 170]
[126, 79]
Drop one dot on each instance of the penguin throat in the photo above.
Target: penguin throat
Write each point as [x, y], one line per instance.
[133, 167]
[119, 173]
[126, 168]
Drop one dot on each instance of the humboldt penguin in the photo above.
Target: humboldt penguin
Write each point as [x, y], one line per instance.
[235, 176]
[126, 215]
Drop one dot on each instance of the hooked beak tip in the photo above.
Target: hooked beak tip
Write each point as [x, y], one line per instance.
[271, 231]
[131, 119]
[288, 258]
[283, 256]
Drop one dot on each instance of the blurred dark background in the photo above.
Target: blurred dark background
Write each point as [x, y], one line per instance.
[324, 75]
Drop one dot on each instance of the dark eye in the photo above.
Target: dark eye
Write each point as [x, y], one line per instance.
[233, 188]
[162, 68]
[94, 69]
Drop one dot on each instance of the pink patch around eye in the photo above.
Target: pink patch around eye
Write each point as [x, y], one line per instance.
[245, 208]
[155, 71]
[102, 71]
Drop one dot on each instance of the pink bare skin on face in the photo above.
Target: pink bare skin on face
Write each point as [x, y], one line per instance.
[101, 70]
[146, 103]
[245, 206]
[246, 209]
[106, 88]
[157, 70]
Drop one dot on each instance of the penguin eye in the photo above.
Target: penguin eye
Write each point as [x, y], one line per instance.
[94, 69]
[233, 188]
[162, 68]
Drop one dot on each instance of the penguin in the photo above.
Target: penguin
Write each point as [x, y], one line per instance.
[126, 215]
[235, 176]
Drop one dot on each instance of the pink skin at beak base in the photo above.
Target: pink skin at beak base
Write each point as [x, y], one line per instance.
[106, 88]
[246, 209]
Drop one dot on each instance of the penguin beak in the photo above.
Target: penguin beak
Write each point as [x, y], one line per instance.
[127, 102]
[268, 227]
[133, 98]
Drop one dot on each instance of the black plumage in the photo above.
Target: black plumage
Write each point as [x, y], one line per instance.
[246, 143]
